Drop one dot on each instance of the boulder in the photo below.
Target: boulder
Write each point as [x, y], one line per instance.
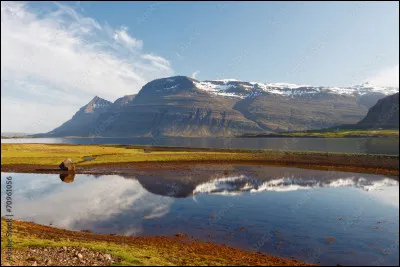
[67, 165]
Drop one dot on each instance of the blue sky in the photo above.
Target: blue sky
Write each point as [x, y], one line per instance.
[301, 42]
[66, 53]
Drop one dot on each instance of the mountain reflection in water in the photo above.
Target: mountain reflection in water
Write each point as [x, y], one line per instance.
[179, 184]
[252, 179]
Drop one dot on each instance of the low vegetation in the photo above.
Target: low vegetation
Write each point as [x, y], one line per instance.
[126, 250]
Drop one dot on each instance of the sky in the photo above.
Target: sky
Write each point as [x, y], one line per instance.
[55, 57]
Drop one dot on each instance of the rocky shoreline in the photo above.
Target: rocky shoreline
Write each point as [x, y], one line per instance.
[39, 245]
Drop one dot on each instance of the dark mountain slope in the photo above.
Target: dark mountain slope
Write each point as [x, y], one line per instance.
[82, 123]
[384, 114]
[281, 113]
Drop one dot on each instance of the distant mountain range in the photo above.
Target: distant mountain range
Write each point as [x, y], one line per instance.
[182, 106]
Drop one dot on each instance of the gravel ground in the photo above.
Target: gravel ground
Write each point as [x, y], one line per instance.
[59, 256]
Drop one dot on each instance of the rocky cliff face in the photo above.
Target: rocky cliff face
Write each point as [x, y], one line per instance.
[181, 106]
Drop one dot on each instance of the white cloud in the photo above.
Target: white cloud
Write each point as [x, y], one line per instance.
[194, 74]
[386, 77]
[157, 61]
[123, 37]
[53, 62]
[75, 207]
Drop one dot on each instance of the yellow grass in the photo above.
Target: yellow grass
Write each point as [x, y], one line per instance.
[50, 154]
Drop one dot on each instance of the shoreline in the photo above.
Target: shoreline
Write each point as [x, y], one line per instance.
[29, 238]
[321, 133]
[129, 167]
[108, 159]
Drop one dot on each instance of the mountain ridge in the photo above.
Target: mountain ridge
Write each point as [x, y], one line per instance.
[183, 106]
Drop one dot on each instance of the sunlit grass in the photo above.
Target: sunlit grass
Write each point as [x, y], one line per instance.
[49, 154]
[53, 154]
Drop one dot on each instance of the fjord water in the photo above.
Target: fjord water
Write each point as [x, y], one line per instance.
[389, 146]
[318, 216]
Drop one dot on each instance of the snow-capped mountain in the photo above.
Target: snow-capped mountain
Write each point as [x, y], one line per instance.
[182, 106]
[242, 89]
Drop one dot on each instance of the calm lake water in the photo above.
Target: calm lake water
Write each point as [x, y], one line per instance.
[322, 217]
[346, 145]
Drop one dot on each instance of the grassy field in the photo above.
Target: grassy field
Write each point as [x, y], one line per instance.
[334, 134]
[136, 251]
[49, 154]
[17, 156]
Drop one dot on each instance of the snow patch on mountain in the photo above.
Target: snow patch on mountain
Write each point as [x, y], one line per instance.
[218, 89]
[171, 87]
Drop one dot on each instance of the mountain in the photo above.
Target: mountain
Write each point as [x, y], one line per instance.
[182, 106]
[122, 102]
[82, 123]
[175, 106]
[280, 107]
[384, 114]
